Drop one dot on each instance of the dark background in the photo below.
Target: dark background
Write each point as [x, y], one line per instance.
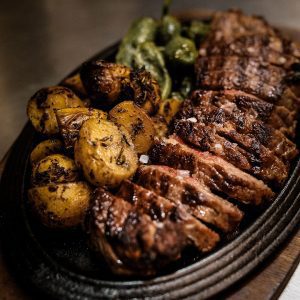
[42, 40]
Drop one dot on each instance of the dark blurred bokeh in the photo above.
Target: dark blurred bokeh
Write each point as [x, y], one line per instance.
[42, 40]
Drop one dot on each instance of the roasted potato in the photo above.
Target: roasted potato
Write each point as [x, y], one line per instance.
[75, 84]
[105, 153]
[71, 119]
[45, 148]
[42, 105]
[55, 168]
[160, 125]
[106, 82]
[168, 108]
[146, 91]
[136, 122]
[60, 205]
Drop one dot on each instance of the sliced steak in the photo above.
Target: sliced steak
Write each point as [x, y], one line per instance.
[196, 198]
[128, 239]
[278, 117]
[229, 26]
[242, 127]
[161, 209]
[241, 73]
[213, 171]
[264, 47]
[255, 159]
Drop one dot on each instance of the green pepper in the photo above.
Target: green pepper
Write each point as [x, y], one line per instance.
[186, 86]
[197, 31]
[168, 28]
[181, 52]
[142, 30]
[149, 56]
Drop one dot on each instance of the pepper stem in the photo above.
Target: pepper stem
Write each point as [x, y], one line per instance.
[166, 7]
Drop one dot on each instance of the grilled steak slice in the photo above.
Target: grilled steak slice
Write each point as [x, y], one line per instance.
[214, 172]
[276, 116]
[128, 239]
[256, 159]
[240, 126]
[161, 209]
[227, 27]
[196, 198]
[264, 47]
[241, 73]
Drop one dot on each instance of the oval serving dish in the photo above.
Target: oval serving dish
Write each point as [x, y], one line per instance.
[61, 266]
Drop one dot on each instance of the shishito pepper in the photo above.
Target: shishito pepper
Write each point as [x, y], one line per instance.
[181, 52]
[168, 27]
[142, 30]
[197, 31]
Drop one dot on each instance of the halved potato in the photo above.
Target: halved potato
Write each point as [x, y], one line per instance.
[45, 148]
[136, 122]
[42, 105]
[60, 205]
[168, 108]
[55, 168]
[75, 84]
[105, 153]
[70, 121]
[105, 82]
[160, 125]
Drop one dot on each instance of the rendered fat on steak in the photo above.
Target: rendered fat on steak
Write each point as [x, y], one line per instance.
[196, 198]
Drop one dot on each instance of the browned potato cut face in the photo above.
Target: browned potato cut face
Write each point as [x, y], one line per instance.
[60, 205]
[105, 82]
[138, 124]
[41, 107]
[160, 125]
[105, 153]
[55, 168]
[45, 148]
[70, 121]
[75, 84]
[168, 108]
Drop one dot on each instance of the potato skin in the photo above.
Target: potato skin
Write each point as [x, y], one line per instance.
[55, 168]
[45, 148]
[105, 153]
[61, 205]
[169, 108]
[138, 124]
[74, 83]
[41, 107]
[70, 121]
[105, 82]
